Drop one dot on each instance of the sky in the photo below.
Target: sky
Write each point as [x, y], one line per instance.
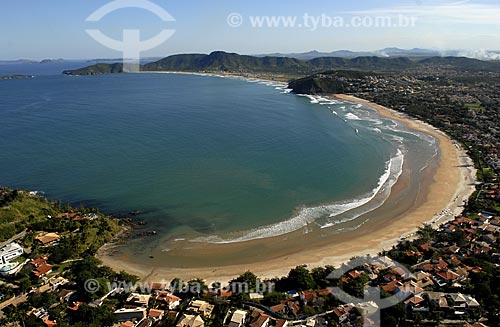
[34, 29]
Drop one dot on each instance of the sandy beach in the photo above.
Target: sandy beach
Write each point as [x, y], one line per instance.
[445, 187]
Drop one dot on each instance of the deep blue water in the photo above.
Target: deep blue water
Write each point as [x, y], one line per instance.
[195, 153]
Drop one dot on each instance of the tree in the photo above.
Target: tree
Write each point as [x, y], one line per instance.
[300, 279]
[321, 276]
[245, 282]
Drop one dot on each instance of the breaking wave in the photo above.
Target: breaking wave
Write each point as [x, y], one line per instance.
[308, 215]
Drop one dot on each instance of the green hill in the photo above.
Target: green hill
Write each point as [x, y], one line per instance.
[220, 61]
[97, 69]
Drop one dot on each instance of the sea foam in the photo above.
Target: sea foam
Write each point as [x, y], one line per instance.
[308, 215]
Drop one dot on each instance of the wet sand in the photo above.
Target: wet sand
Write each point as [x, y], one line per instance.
[445, 186]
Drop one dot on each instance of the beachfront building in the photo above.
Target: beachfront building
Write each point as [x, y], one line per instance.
[168, 300]
[138, 300]
[10, 252]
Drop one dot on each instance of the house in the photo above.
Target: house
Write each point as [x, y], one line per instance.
[438, 298]
[156, 315]
[391, 286]
[39, 313]
[224, 294]
[238, 318]
[282, 323]
[416, 303]
[287, 308]
[399, 272]
[201, 307]
[10, 252]
[446, 277]
[463, 302]
[75, 306]
[65, 295]
[42, 270]
[262, 320]
[138, 300]
[425, 247]
[190, 321]
[48, 239]
[489, 238]
[316, 322]
[422, 279]
[409, 289]
[37, 262]
[342, 313]
[55, 282]
[308, 296]
[43, 288]
[168, 299]
[50, 323]
[255, 296]
[136, 314]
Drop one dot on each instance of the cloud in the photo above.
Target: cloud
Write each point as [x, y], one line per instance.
[479, 54]
[464, 12]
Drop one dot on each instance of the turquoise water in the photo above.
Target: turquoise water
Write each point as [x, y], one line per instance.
[197, 155]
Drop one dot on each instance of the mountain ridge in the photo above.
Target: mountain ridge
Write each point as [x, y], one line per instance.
[220, 61]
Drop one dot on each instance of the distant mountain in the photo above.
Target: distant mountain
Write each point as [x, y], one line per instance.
[18, 61]
[393, 52]
[220, 61]
[461, 64]
[316, 54]
[51, 61]
[223, 61]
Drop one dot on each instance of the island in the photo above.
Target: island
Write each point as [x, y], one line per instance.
[16, 76]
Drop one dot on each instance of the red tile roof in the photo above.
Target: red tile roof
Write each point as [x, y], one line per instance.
[50, 323]
[42, 270]
[448, 275]
[39, 261]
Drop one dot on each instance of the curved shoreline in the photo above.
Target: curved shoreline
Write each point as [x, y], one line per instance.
[451, 183]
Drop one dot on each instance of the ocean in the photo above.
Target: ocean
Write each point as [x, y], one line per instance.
[202, 158]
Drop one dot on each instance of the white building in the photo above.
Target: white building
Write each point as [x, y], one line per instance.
[10, 252]
[238, 318]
